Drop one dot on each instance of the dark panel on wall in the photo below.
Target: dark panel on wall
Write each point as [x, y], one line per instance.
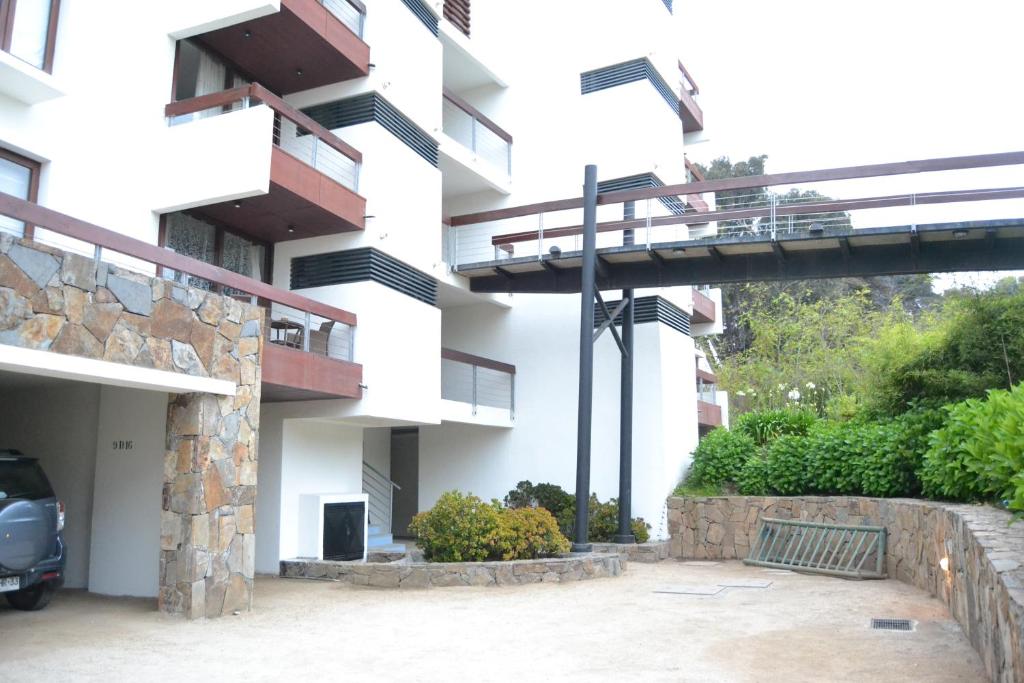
[633, 182]
[373, 107]
[649, 309]
[629, 72]
[419, 8]
[359, 265]
[668, 3]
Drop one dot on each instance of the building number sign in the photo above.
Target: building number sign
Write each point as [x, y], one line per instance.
[122, 445]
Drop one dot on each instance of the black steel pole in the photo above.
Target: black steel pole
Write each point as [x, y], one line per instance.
[625, 532]
[586, 404]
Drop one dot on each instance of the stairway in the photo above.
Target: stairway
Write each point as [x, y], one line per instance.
[382, 543]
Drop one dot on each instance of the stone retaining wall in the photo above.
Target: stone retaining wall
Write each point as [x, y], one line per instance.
[408, 574]
[984, 584]
[652, 551]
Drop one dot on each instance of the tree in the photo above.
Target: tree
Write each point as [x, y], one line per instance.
[914, 292]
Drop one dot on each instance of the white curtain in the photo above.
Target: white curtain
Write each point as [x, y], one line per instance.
[209, 79]
[31, 25]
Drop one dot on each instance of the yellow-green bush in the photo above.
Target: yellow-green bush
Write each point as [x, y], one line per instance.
[529, 533]
[457, 529]
[463, 528]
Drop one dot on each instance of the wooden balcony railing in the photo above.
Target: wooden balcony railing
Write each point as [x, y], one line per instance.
[294, 132]
[457, 12]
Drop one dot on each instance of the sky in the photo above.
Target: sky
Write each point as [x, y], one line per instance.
[825, 83]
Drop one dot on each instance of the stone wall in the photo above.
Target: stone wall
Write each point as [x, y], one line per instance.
[409, 574]
[984, 584]
[64, 303]
[651, 551]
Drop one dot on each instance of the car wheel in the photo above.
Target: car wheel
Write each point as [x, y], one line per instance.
[31, 599]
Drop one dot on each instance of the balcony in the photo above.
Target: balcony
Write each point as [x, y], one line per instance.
[709, 416]
[313, 179]
[476, 153]
[703, 308]
[28, 33]
[309, 43]
[477, 390]
[309, 350]
[689, 111]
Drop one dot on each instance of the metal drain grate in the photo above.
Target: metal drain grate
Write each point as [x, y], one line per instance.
[892, 625]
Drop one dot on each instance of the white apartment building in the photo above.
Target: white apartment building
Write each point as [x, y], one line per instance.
[326, 149]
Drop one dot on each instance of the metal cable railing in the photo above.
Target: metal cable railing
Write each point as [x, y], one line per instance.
[478, 381]
[473, 130]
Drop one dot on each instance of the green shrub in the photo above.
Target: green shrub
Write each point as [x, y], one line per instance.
[844, 458]
[753, 479]
[979, 454]
[529, 533]
[602, 522]
[767, 425]
[457, 529]
[551, 497]
[466, 529]
[685, 488]
[719, 457]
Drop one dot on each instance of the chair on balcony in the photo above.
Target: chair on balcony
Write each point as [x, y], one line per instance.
[317, 338]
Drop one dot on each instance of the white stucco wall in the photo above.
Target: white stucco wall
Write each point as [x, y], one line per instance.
[57, 424]
[316, 458]
[540, 336]
[125, 552]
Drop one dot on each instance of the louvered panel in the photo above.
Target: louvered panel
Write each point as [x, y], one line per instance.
[457, 12]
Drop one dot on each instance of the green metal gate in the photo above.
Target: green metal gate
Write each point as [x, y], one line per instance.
[839, 550]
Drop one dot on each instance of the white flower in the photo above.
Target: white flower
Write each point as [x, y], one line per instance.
[782, 387]
[810, 385]
[741, 393]
[794, 395]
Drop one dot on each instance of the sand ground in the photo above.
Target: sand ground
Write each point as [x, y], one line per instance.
[800, 628]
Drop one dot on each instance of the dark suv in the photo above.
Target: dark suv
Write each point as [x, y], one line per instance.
[31, 533]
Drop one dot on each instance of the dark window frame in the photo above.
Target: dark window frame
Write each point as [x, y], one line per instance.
[8, 12]
[34, 168]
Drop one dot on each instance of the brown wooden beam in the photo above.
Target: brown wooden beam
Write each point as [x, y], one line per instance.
[476, 114]
[470, 359]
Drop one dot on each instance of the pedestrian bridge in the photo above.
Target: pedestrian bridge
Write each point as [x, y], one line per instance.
[662, 236]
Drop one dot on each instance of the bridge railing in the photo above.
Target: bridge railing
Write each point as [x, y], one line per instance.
[757, 206]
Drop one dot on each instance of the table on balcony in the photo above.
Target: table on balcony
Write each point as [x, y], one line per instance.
[280, 329]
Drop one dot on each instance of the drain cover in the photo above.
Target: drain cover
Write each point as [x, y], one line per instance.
[892, 625]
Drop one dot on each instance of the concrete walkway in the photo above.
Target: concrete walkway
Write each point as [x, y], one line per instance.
[801, 628]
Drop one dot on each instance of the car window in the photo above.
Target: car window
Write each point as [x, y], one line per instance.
[23, 479]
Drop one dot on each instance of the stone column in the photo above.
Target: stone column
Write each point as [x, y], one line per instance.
[208, 548]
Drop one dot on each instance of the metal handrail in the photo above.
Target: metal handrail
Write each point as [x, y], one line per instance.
[381, 492]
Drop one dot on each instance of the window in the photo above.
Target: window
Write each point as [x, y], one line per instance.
[19, 177]
[206, 241]
[28, 30]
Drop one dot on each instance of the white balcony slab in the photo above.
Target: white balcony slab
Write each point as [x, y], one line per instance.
[23, 82]
[464, 172]
[486, 416]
